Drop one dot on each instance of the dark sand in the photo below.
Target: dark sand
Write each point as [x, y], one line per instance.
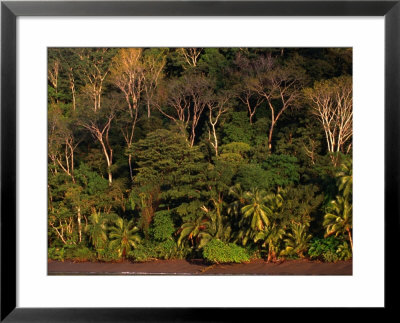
[184, 267]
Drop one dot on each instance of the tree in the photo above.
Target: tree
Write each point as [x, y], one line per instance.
[154, 62]
[345, 179]
[188, 97]
[124, 236]
[53, 72]
[70, 63]
[97, 229]
[279, 85]
[246, 90]
[190, 55]
[196, 231]
[128, 74]
[332, 103]
[216, 108]
[256, 209]
[61, 142]
[99, 125]
[166, 163]
[271, 236]
[298, 238]
[225, 153]
[220, 227]
[61, 215]
[94, 68]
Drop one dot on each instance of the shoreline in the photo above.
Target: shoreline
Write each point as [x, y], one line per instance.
[300, 267]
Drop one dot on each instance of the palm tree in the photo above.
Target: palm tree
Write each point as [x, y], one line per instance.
[345, 179]
[270, 236]
[256, 209]
[339, 219]
[219, 226]
[297, 239]
[124, 236]
[196, 231]
[97, 229]
[237, 193]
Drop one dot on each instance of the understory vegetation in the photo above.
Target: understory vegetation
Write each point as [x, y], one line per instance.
[221, 154]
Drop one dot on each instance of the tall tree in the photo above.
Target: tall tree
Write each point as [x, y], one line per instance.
[53, 72]
[99, 125]
[246, 76]
[280, 86]
[217, 106]
[94, 67]
[154, 62]
[190, 55]
[332, 103]
[187, 96]
[128, 75]
[61, 142]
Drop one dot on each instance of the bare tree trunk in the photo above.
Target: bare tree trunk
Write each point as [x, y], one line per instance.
[148, 110]
[79, 224]
[59, 234]
[72, 86]
[130, 166]
[109, 176]
[271, 130]
[215, 140]
[269, 254]
[351, 240]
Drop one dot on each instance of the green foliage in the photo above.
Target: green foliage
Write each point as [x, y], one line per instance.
[329, 249]
[83, 254]
[339, 219]
[108, 254]
[297, 240]
[235, 151]
[97, 229]
[251, 176]
[217, 251]
[167, 161]
[71, 252]
[345, 179]
[238, 129]
[163, 226]
[56, 253]
[257, 210]
[196, 231]
[302, 203]
[123, 236]
[344, 251]
[151, 250]
[283, 170]
[182, 196]
[271, 238]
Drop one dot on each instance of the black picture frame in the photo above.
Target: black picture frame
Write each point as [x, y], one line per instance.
[10, 10]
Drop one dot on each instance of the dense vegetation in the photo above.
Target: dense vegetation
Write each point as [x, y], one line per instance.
[226, 154]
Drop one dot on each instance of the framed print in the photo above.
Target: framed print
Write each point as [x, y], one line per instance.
[351, 47]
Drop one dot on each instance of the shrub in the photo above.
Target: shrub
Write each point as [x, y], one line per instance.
[78, 253]
[253, 176]
[107, 254]
[83, 254]
[217, 251]
[344, 251]
[56, 253]
[329, 249]
[149, 250]
[163, 226]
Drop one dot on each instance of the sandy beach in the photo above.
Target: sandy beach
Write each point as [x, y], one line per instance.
[198, 267]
